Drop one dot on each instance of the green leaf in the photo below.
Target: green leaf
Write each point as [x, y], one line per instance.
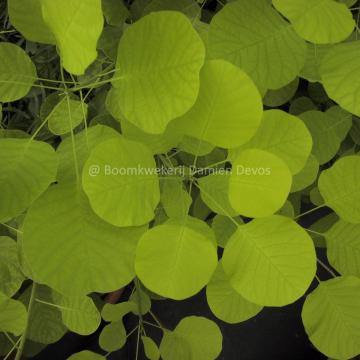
[84, 141]
[340, 75]
[27, 169]
[193, 338]
[86, 355]
[225, 303]
[17, 72]
[121, 182]
[228, 109]
[151, 350]
[142, 301]
[300, 105]
[194, 146]
[189, 7]
[13, 315]
[331, 316]
[214, 190]
[339, 186]
[76, 26]
[115, 12]
[318, 21]
[253, 36]
[113, 336]
[307, 175]
[162, 78]
[285, 136]
[175, 199]
[274, 98]
[79, 313]
[224, 228]
[45, 323]
[11, 276]
[176, 259]
[88, 265]
[328, 130]
[32, 27]
[66, 115]
[115, 312]
[270, 261]
[343, 247]
[259, 184]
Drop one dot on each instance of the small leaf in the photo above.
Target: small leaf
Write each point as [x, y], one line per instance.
[113, 336]
[142, 301]
[17, 72]
[86, 355]
[259, 184]
[307, 175]
[115, 312]
[176, 259]
[193, 338]
[223, 228]
[270, 261]
[151, 350]
[331, 317]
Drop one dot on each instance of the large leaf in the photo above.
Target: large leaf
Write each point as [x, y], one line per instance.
[13, 315]
[340, 75]
[79, 313]
[339, 186]
[328, 130]
[225, 303]
[76, 26]
[93, 255]
[27, 169]
[331, 316]
[84, 141]
[121, 181]
[253, 36]
[158, 82]
[193, 338]
[259, 184]
[11, 276]
[31, 27]
[284, 135]
[318, 21]
[176, 259]
[343, 247]
[17, 72]
[270, 261]
[228, 109]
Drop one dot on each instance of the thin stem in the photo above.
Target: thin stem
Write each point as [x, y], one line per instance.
[315, 232]
[23, 336]
[318, 279]
[12, 349]
[11, 228]
[309, 211]
[132, 331]
[326, 268]
[156, 320]
[151, 324]
[9, 338]
[138, 342]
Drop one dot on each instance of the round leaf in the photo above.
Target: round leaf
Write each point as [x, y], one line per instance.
[270, 261]
[86, 355]
[259, 184]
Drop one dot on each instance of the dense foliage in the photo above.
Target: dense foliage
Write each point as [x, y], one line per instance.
[168, 146]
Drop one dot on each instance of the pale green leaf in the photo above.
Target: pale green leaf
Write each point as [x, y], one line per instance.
[228, 109]
[285, 136]
[331, 316]
[195, 146]
[11, 276]
[27, 169]
[253, 36]
[93, 255]
[156, 81]
[343, 247]
[318, 21]
[17, 72]
[79, 313]
[270, 261]
[193, 338]
[76, 26]
[176, 259]
[84, 141]
[32, 27]
[121, 182]
[339, 186]
[151, 350]
[66, 115]
[259, 184]
[115, 312]
[340, 75]
[225, 303]
[13, 315]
